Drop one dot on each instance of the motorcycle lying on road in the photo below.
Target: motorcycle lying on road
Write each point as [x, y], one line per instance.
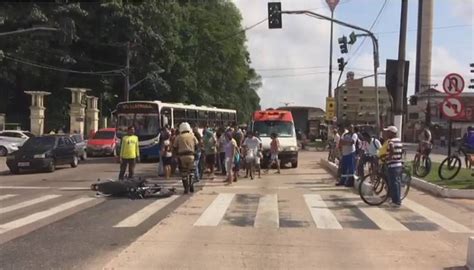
[131, 188]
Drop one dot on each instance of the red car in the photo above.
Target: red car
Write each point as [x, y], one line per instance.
[103, 142]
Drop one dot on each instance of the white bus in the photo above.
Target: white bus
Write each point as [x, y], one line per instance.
[149, 117]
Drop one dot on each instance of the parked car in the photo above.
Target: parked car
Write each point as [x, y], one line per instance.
[7, 147]
[81, 145]
[44, 153]
[16, 136]
[103, 142]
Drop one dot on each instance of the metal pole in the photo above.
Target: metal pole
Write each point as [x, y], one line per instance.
[376, 85]
[126, 88]
[418, 46]
[398, 118]
[330, 57]
[449, 137]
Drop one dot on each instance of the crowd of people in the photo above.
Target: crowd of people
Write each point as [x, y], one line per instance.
[210, 151]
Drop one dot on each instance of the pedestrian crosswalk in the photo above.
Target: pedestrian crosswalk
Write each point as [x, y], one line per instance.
[271, 210]
[325, 212]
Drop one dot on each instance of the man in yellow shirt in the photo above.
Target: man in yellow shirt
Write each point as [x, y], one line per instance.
[129, 153]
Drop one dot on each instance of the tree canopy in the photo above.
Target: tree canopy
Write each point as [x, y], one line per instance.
[182, 51]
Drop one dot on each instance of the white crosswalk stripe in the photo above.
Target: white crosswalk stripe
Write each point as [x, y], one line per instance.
[24, 204]
[322, 216]
[435, 217]
[216, 211]
[267, 212]
[9, 226]
[7, 196]
[145, 213]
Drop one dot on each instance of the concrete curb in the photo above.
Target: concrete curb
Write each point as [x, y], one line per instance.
[417, 183]
[442, 191]
[470, 253]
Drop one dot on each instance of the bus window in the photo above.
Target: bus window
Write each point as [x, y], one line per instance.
[179, 116]
[202, 118]
[166, 116]
[191, 117]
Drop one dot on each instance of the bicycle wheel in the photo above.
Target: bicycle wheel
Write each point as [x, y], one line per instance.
[405, 183]
[422, 166]
[449, 168]
[373, 191]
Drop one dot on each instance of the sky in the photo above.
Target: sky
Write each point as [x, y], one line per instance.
[294, 61]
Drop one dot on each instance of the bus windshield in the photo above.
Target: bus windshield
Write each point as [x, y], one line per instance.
[147, 126]
[266, 128]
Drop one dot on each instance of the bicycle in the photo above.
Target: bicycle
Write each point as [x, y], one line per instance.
[373, 189]
[422, 162]
[451, 165]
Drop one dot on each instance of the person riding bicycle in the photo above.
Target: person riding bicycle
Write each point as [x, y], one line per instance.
[390, 155]
[424, 146]
[185, 146]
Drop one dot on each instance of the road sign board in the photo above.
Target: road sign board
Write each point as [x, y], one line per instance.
[330, 108]
[452, 107]
[453, 84]
[332, 4]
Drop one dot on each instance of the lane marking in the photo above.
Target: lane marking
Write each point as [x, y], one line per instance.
[23, 187]
[145, 213]
[6, 227]
[24, 204]
[267, 212]
[215, 211]
[322, 216]
[74, 188]
[7, 196]
[435, 217]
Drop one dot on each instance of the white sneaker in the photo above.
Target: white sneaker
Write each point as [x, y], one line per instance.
[394, 205]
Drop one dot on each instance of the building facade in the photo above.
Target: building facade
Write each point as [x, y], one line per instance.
[356, 103]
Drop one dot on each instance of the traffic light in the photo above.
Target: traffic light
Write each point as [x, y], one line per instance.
[274, 15]
[352, 38]
[343, 44]
[341, 63]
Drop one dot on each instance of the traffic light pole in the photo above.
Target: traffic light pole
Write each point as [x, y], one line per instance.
[330, 57]
[399, 106]
[367, 33]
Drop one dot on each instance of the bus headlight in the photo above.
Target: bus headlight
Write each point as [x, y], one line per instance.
[290, 148]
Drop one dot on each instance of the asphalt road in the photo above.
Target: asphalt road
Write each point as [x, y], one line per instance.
[296, 220]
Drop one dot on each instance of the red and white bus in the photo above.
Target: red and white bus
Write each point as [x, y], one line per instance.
[281, 123]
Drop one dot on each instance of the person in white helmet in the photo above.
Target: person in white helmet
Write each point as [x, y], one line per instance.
[185, 147]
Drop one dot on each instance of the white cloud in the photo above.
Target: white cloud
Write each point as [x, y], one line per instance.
[463, 9]
[302, 42]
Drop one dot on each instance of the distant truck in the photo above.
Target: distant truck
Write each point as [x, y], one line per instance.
[279, 122]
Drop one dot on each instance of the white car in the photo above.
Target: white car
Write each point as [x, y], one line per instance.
[7, 148]
[15, 136]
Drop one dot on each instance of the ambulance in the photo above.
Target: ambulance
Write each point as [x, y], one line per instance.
[280, 122]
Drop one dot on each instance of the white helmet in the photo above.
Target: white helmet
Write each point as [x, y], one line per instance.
[184, 127]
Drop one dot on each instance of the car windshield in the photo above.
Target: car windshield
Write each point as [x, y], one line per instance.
[146, 125]
[266, 128]
[104, 135]
[36, 143]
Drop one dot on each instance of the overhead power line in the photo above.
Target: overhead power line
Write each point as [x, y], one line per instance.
[426, 28]
[116, 72]
[289, 68]
[293, 75]
[370, 29]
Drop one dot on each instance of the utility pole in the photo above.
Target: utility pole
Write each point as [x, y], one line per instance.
[126, 88]
[398, 117]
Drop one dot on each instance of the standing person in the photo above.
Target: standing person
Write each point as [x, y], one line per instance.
[185, 147]
[371, 149]
[210, 146]
[251, 145]
[391, 152]
[231, 152]
[167, 158]
[174, 161]
[221, 145]
[165, 134]
[259, 156]
[129, 153]
[274, 150]
[198, 155]
[348, 149]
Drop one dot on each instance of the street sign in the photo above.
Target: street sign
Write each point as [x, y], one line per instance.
[453, 84]
[332, 4]
[451, 107]
[330, 108]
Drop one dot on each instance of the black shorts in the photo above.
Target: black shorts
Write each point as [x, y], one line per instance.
[167, 161]
[211, 159]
